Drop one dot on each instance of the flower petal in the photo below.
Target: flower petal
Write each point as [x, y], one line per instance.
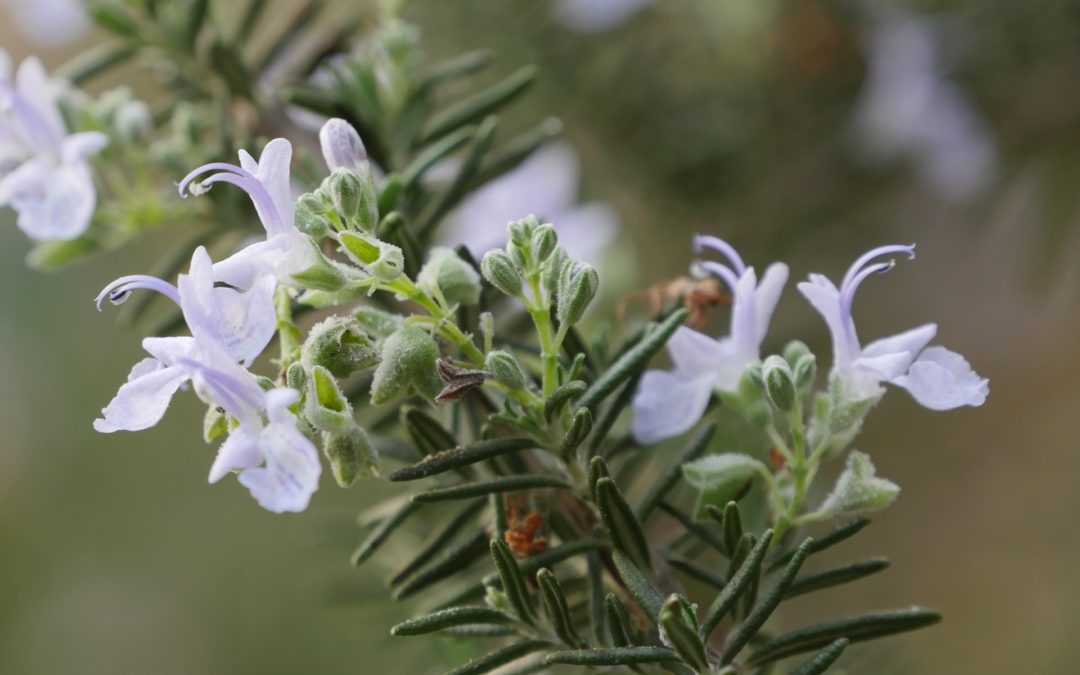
[291, 473]
[242, 268]
[911, 341]
[825, 298]
[941, 380]
[239, 451]
[53, 204]
[694, 352]
[142, 401]
[668, 404]
[77, 147]
[272, 170]
[169, 350]
[767, 295]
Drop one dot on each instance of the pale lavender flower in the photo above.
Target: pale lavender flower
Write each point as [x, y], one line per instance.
[49, 23]
[594, 16]
[277, 463]
[545, 185]
[44, 175]
[668, 403]
[240, 322]
[936, 377]
[342, 147]
[908, 109]
[285, 251]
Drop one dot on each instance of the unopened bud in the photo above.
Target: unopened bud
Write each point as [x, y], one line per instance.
[339, 345]
[342, 147]
[345, 192]
[377, 322]
[500, 272]
[326, 406]
[779, 383]
[506, 369]
[296, 376]
[351, 455]
[794, 351]
[383, 261]
[804, 371]
[544, 241]
[577, 288]
[456, 279]
[407, 364]
[521, 230]
[312, 224]
[552, 269]
[858, 489]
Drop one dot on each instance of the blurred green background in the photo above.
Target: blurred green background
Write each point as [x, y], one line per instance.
[724, 116]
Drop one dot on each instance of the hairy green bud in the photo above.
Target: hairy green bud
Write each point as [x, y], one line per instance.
[456, 279]
[351, 455]
[325, 405]
[553, 267]
[296, 376]
[521, 231]
[858, 489]
[578, 284]
[383, 261]
[407, 364]
[506, 369]
[377, 322]
[338, 344]
[355, 198]
[779, 383]
[501, 273]
[544, 241]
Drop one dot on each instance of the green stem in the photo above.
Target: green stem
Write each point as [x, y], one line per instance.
[540, 311]
[288, 332]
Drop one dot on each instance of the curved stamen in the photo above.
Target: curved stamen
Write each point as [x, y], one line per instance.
[703, 241]
[873, 253]
[847, 291]
[241, 178]
[119, 290]
[723, 271]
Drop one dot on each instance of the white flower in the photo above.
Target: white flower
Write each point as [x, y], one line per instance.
[907, 109]
[285, 251]
[936, 377]
[44, 175]
[669, 402]
[277, 463]
[546, 185]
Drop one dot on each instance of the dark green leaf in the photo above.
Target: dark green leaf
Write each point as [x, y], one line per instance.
[509, 155]
[683, 637]
[513, 581]
[561, 397]
[697, 529]
[697, 572]
[633, 361]
[618, 656]
[446, 460]
[438, 542]
[580, 426]
[95, 60]
[251, 18]
[479, 105]
[733, 528]
[426, 433]
[115, 18]
[457, 189]
[836, 576]
[382, 531]
[431, 155]
[459, 66]
[739, 637]
[621, 523]
[452, 561]
[478, 489]
[831, 538]
[490, 662]
[447, 618]
[823, 659]
[558, 610]
[196, 15]
[611, 414]
[856, 629]
[619, 624]
[736, 586]
[639, 585]
[598, 469]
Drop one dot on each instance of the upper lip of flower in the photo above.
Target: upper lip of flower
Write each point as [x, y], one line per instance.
[243, 179]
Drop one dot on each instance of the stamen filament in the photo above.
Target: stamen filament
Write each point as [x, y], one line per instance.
[246, 181]
[703, 241]
[118, 290]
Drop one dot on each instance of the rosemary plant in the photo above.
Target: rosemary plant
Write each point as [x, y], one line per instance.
[467, 376]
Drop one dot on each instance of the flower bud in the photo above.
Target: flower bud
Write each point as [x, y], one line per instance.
[312, 224]
[858, 489]
[521, 230]
[407, 364]
[342, 147]
[500, 272]
[351, 455]
[719, 479]
[296, 376]
[544, 241]
[339, 345]
[794, 351]
[450, 275]
[377, 322]
[552, 268]
[520, 257]
[315, 202]
[805, 372]
[322, 274]
[577, 288]
[506, 369]
[779, 383]
[354, 197]
[326, 406]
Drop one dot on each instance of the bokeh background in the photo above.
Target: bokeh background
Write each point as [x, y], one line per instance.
[802, 130]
